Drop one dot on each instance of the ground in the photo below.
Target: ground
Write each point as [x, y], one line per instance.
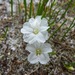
[13, 56]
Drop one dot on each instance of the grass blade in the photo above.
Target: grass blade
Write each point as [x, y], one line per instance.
[31, 5]
[41, 7]
[38, 7]
[25, 6]
[11, 7]
[65, 10]
[70, 27]
[19, 9]
[57, 29]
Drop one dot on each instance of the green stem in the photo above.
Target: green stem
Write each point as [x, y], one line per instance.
[25, 6]
[12, 8]
[57, 30]
[30, 12]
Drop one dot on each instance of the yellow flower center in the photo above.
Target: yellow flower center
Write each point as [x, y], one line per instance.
[36, 31]
[38, 52]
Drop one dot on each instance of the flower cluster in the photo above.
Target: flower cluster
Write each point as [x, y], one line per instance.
[35, 34]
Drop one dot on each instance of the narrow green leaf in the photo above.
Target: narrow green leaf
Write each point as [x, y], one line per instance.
[68, 66]
[52, 53]
[52, 4]
[70, 27]
[57, 29]
[11, 7]
[42, 7]
[25, 6]
[65, 10]
[30, 12]
[38, 7]
[19, 7]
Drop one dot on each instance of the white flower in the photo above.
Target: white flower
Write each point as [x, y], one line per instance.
[38, 53]
[35, 30]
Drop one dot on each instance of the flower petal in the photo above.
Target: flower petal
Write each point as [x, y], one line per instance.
[40, 38]
[44, 58]
[37, 45]
[32, 58]
[30, 48]
[26, 28]
[44, 22]
[35, 23]
[26, 24]
[31, 21]
[28, 38]
[32, 38]
[46, 48]
[32, 41]
[25, 31]
[46, 36]
[38, 20]
[43, 28]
